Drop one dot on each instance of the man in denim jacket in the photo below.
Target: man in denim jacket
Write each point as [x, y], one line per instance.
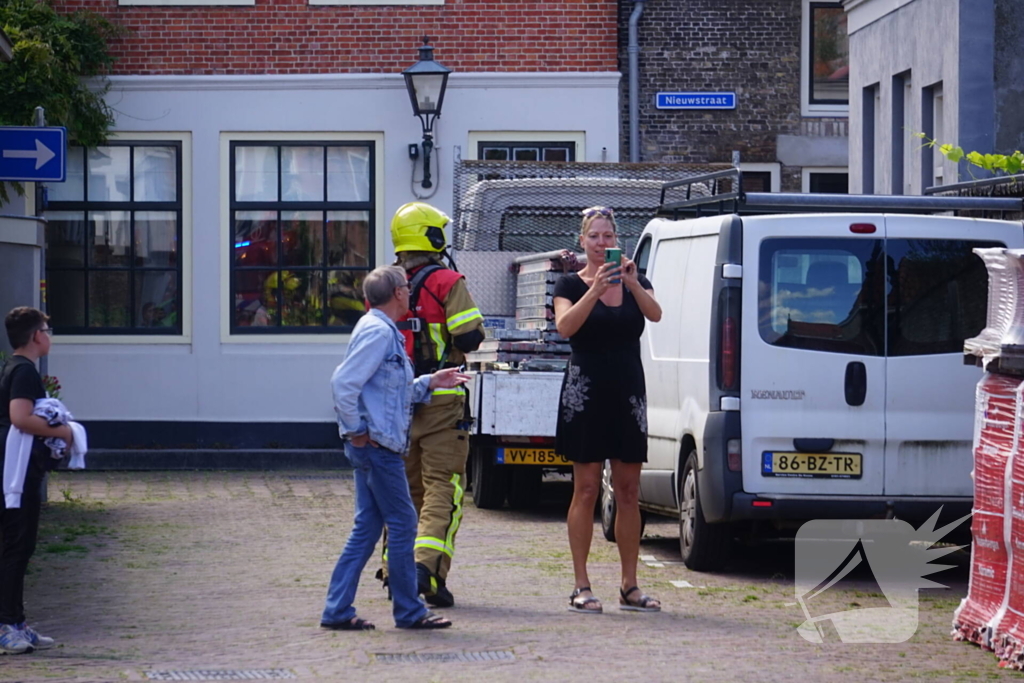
[374, 390]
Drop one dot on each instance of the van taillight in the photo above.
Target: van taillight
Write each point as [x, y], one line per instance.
[729, 362]
[862, 228]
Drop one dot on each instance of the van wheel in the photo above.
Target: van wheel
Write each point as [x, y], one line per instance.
[704, 547]
[609, 509]
[490, 481]
[524, 487]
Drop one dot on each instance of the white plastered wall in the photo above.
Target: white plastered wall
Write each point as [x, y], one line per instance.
[210, 376]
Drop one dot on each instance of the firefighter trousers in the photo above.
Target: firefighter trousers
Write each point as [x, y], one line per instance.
[436, 469]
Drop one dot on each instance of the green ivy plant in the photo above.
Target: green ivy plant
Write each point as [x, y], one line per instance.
[1009, 164]
[53, 53]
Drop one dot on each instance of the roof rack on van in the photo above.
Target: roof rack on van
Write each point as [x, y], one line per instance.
[722, 192]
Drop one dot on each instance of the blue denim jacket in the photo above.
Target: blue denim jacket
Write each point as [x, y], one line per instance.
[374, 387]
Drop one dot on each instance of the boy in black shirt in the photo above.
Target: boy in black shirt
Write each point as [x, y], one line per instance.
[28, 332]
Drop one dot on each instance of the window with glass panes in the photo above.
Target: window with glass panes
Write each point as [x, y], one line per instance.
[113, 240]
[301, 235]
[829, 81]
[526, 151]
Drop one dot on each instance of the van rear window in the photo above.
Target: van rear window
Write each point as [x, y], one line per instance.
[938, 295]
[896, 297]
[823, 294]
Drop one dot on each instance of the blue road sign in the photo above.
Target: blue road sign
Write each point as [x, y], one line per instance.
[696, 100]
[33, 154]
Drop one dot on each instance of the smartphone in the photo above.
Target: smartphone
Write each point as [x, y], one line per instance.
[614, 255]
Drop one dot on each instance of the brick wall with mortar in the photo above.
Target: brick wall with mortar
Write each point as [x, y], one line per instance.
[292, 37]
[750, 47]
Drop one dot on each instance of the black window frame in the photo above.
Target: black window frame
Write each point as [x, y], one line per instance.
[570, 148]
[827, 177]
[369, 206]
[85, 206]
[811, 100]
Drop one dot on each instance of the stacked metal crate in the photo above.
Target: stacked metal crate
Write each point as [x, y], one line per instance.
[534, 337]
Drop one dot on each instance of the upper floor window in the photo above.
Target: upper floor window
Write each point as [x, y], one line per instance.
[526, 151]
[113, 240]
[825, 60]
[302, 240]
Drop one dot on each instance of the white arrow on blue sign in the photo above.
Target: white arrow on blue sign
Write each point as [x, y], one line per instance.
[33, 154]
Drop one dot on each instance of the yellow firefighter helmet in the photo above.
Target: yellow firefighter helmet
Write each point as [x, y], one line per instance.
[418, 227]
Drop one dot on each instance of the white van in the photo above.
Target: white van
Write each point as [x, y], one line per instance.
[810, 365]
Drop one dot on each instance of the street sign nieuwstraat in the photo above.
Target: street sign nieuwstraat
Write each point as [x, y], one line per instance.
[33, 154]
[696, 100]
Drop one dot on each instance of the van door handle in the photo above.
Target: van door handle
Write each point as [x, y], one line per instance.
[856, 383]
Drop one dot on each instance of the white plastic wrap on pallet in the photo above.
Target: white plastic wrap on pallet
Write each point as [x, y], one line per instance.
[1004, 330]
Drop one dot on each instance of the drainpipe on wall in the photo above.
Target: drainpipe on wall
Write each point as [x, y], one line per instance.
[634, 81]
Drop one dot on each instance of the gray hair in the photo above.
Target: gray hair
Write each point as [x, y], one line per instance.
[379, 286]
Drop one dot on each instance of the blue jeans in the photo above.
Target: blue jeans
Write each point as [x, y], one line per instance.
[382, 498]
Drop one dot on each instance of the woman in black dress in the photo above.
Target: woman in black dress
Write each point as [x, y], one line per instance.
[603, 408]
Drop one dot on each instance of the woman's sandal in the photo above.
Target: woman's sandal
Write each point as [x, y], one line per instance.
[353, 624]
[431, 621]
[643, 604]
[578, 603]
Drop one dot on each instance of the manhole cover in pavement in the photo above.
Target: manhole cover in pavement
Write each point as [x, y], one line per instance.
[221, 675]
[444, 657]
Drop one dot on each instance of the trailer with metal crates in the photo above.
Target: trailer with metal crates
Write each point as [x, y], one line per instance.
[515, 232]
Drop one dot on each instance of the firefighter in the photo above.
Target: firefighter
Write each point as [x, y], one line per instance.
[443, 325]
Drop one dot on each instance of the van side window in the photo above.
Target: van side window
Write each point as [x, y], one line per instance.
[643, 256]
[938, 295]
[823, 294]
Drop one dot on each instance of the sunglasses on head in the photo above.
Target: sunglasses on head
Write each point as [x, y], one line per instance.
[598, 211]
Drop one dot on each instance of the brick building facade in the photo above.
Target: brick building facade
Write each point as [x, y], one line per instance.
[296, 37]
[754, 48]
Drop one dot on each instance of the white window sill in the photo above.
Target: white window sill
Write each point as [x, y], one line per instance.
[376, 2]
[825, 110]
[184, 3]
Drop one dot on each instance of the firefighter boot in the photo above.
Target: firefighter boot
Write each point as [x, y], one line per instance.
[433, 589]
[383, 578]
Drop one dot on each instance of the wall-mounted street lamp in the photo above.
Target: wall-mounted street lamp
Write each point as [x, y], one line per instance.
[426, 81]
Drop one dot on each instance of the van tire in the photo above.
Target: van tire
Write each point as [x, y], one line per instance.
[609, 509]
[704, 547]
[490, 481]
[524, 487]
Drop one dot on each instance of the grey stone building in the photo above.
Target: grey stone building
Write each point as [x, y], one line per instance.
[784, 60]
[951, 69]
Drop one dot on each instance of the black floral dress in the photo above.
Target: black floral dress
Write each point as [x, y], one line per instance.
[602, 412]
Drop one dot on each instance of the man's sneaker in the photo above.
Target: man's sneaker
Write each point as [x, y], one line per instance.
[432, 588]
[13, 640]
[36, 640]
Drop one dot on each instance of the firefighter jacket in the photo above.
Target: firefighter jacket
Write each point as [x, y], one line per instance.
[450, 323]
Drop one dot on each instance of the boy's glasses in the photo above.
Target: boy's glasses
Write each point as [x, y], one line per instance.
[598, 211]
[47, 330]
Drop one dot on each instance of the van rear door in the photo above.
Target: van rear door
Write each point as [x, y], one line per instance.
[937, 297]
[812, 370]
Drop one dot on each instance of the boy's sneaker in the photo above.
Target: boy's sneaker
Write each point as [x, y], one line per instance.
[13, 640]
[34, 639]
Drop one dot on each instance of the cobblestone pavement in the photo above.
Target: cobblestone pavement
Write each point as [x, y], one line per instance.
[139, 573]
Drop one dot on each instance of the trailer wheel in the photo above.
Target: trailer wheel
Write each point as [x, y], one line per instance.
[609, 508]
[490, 481]
[525, 487]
